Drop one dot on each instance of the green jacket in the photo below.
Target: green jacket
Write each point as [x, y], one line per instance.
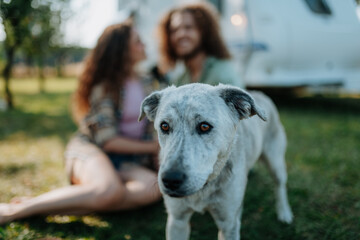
[214, 71]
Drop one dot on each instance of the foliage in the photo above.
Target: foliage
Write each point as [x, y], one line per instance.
[31, 24]
[34, 24]
[15, 16]
[45, 34]
[322, 159]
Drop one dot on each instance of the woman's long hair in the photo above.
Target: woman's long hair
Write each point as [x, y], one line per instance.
[207, 21]
[108, 63]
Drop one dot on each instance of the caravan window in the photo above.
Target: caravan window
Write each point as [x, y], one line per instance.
[319, 6]
[218, 4]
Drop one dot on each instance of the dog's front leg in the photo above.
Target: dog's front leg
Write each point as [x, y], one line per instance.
[178, 228]
[228, 210]
[230, 232]
[229, 223]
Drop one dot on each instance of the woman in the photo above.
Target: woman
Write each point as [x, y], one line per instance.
[104, 159]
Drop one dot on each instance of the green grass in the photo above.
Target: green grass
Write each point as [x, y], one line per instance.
[323, 161]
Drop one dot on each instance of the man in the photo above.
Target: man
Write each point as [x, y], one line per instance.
[191, 34]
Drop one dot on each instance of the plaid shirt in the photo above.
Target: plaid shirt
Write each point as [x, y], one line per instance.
[101, 123]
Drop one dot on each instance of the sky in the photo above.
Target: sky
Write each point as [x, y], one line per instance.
[89, 19]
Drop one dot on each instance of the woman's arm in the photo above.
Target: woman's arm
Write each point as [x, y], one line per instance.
[129, 146]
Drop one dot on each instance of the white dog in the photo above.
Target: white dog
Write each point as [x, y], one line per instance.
[208, 144]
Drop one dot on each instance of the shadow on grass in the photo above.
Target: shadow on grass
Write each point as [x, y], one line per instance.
[142, 224]
[36, 125]
[259, 221]
[147, 223]
[13, 169]
[38, 116]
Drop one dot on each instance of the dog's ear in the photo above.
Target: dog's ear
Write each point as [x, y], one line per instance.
[240, 102]
[149, 106]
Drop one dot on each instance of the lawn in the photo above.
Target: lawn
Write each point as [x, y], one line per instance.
[323, 160]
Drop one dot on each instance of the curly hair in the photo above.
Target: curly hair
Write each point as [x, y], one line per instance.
[108, 63]
[207, 21]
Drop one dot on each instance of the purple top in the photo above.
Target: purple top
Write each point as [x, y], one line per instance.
[133, 96]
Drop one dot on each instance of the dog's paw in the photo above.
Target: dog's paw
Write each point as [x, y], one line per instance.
[285, 215]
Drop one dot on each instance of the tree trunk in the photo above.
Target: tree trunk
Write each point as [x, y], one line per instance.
[29, 66]
[41, 76]
[59, 67]
[7, 74]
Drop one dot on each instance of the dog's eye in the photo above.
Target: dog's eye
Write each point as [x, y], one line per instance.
[204, 127]
[165, 127]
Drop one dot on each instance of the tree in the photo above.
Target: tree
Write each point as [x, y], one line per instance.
[45, 33]
[34, 26]
[15, 16]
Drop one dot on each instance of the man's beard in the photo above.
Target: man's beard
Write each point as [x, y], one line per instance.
[191, 54]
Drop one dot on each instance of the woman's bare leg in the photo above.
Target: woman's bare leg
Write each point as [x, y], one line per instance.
[99, 188]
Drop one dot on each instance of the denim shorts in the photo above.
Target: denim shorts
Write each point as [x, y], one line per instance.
[119, 159]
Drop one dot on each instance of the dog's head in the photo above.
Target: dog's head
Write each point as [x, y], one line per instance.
[196, 125]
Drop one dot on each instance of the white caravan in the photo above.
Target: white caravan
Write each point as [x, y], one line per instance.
[278, 43]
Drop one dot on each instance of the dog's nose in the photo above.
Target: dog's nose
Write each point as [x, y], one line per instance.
[173, 179]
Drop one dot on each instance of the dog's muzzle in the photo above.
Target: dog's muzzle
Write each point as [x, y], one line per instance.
[173, 181]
